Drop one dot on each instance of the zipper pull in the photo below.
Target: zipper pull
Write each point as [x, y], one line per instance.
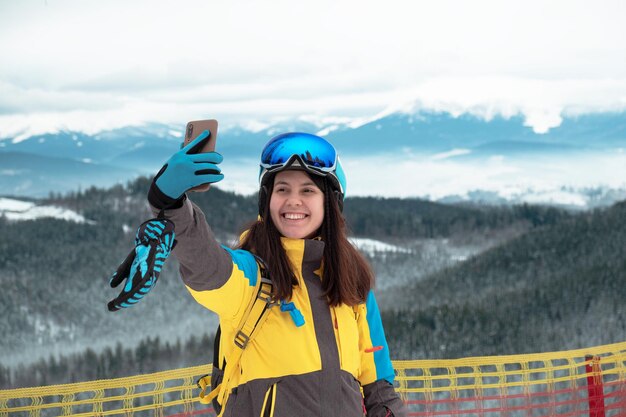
[295, 314]
[373, 349]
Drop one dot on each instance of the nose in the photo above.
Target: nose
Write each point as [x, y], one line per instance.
[293, 201]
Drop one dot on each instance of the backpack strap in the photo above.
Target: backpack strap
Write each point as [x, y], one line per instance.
[252, 320]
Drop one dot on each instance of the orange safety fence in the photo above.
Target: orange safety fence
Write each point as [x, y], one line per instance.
[586, 382]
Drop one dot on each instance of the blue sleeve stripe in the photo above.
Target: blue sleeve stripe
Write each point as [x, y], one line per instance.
[246, 263]
[382, 359]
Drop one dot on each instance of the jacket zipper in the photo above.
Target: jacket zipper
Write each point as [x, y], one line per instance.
[337, 336]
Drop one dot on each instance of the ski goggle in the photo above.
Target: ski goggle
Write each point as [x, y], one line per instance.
[312, 153]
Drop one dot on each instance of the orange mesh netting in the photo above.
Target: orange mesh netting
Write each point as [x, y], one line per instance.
[587, 382]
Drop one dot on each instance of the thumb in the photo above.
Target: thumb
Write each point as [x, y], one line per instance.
[198, 143]
[123, 270]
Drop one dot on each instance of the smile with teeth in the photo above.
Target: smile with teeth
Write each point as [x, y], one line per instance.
[294, 216]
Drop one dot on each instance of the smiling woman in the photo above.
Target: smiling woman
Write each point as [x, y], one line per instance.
[318, 347]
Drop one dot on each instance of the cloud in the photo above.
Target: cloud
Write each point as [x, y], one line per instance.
[19, 100]
[450, 154]
[350, 59]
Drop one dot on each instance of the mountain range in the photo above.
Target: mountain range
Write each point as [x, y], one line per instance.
[65, 161]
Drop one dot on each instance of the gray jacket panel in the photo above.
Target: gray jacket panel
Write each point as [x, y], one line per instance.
[204, 264]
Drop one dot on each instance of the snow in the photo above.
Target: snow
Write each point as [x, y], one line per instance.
[327, 130]
[557, 197]
[371, 246]
[15, 205]
[17, 210]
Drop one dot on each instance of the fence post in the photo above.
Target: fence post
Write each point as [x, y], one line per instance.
[595, 389]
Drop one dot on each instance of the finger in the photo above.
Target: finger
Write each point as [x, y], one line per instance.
[195, 145]
[143, 267]
[122, 271]
[212, 157]
[149, 285]
[139, 291]
[139, 268]
[127, 299]
[206, 168]
[133, 277]
[135, 298]
[112, 305]
[208, 179]
[121, 301]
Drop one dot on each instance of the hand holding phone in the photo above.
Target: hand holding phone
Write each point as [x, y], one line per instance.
[192, 131]
[190, 168]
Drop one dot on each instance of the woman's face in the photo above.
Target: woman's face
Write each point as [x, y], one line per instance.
[296, 205]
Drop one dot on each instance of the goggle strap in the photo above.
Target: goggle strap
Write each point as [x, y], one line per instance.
[302, 163]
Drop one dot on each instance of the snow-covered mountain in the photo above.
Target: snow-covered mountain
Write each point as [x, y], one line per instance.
[436, 155]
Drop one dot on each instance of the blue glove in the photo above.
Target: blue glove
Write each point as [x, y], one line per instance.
[187, 169]
[153, 243]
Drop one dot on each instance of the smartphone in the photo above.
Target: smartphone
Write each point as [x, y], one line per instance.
[192, 131]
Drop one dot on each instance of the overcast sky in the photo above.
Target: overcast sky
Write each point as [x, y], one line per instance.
[92, 65]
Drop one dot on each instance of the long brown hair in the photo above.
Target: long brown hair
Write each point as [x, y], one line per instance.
[347, 276]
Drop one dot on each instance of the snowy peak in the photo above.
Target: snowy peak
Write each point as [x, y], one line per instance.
[439, 156]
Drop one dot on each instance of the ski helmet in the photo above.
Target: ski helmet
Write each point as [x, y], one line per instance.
[303, 151]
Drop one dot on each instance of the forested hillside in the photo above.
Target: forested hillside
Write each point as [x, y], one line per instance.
[115, 361]
[413, 218]
[54, 273]
[553, 288]
[367, 216]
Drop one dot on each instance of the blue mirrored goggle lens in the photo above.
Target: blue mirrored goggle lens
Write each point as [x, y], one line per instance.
[314, 151]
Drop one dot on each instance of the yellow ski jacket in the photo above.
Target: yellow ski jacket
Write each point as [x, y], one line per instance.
[336, 364]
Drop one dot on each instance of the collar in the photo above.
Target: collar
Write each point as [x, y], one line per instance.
[304, 253]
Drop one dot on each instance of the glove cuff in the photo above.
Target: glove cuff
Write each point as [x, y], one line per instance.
[161, 201]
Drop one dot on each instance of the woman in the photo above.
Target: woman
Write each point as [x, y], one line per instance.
[323, 342]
